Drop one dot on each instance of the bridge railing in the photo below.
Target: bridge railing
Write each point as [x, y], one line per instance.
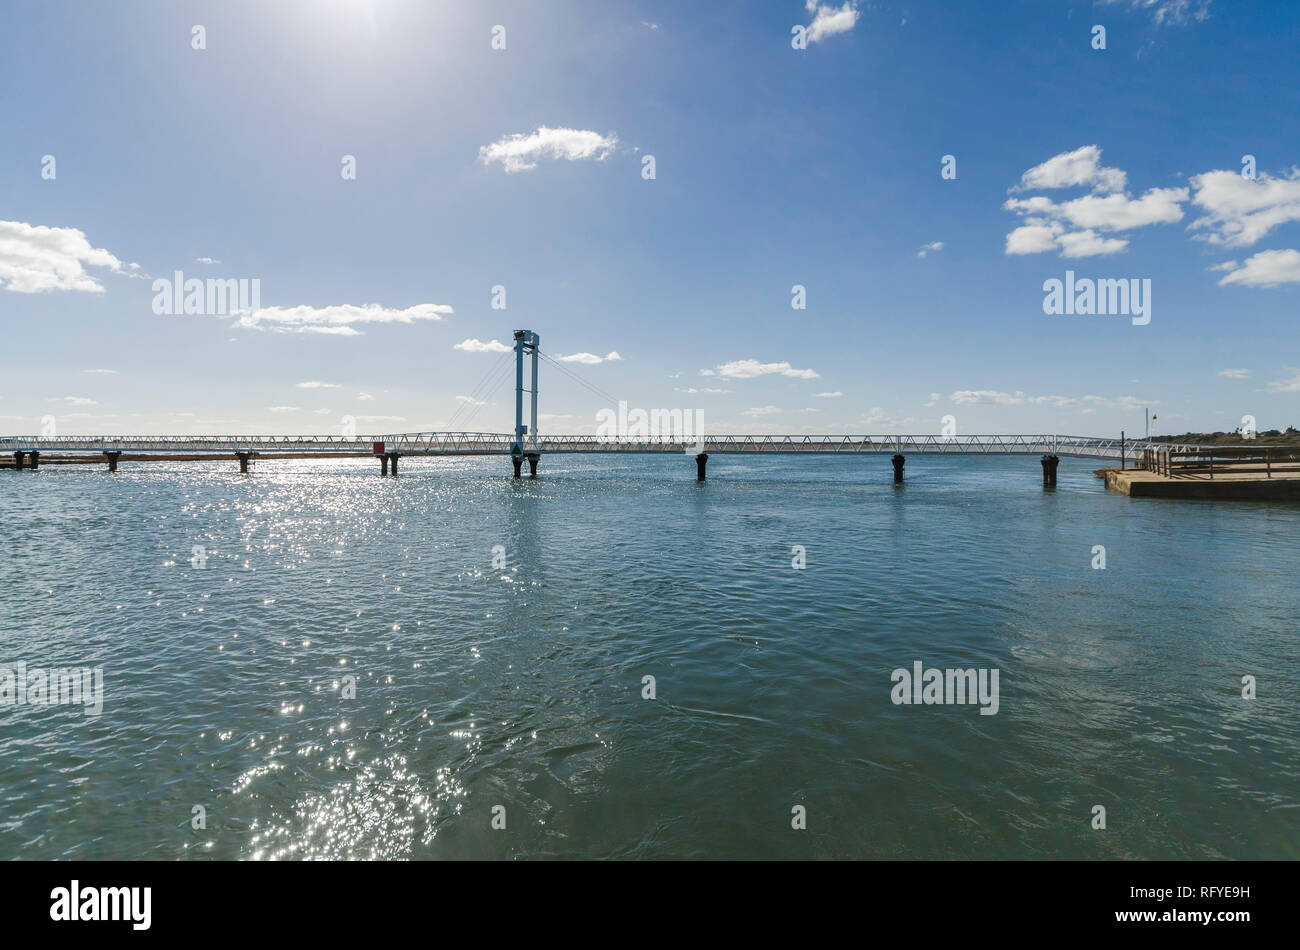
[495, 443]
[1085, 446]
[188, 443]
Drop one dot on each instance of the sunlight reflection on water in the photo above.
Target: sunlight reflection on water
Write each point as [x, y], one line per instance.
[232, 614]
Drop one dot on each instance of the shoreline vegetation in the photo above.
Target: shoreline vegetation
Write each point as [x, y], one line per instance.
[1288, 436]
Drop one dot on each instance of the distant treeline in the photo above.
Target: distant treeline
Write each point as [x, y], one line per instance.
[1288, 436]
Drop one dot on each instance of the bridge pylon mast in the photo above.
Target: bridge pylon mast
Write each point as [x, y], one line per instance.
[526, 342]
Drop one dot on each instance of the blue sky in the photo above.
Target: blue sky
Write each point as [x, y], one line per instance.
[774, 167]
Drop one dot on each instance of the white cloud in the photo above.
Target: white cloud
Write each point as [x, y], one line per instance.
[650, 26]
[834, 395]
[1059, 402]
[315, 384]
[749, 369]
[694, 392]
[932, 246]
[1073, 227]
[1051, 223]
[589, 358]
[76, 400]
[1179, 12]
[1234, 373]
[1033, 238]
[205, 260]
[762, 411]
[521, 151]
[102, 372]
[1291, 385]
[283, 409]
[1072, 169]
[35, 258]
[337, 320]
[470, 400]
[1239, 211]
[1266, 269]
[365, 397]
[986, 397]
[992, 397]
[1019, 398]
[829, 20]
[1119, 212]
[478, 346]
[1127, 403]
[1089, 244]
[878, 417]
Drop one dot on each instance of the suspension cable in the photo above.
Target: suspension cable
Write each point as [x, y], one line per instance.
[502, 362]
[580, 381]
[495, 378]
[487, 398]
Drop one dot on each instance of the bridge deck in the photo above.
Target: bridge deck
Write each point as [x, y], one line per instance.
[488, 443]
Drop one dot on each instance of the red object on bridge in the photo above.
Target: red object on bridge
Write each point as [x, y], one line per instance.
[379, 448]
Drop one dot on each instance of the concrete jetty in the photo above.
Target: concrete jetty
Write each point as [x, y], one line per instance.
[1281, 484]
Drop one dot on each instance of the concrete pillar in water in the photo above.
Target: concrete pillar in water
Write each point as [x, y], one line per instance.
[393, 456]
[1049, 470]
[383, 465]
[36, 459]
[112, 460]
[518, 461]
[899, 461]
[18, 460]
[533, 458]
[701, 462]
[243, 462]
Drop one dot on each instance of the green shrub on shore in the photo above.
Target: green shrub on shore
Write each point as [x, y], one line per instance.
[1288, 436]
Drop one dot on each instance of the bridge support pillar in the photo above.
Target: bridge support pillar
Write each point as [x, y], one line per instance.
[1049, 470]
[243, 461]
[35, 458]
[899, 461]
[533, 458]
[701, 463]
[518, 461]
[393, 456]
[112, 460]
[18, 460]
[383, 465]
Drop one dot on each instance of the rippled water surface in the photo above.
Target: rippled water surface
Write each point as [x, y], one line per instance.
[224, 677]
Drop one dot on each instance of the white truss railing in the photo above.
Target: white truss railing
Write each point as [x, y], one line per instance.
[491, 443]
[182, 444]
[442, 443]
